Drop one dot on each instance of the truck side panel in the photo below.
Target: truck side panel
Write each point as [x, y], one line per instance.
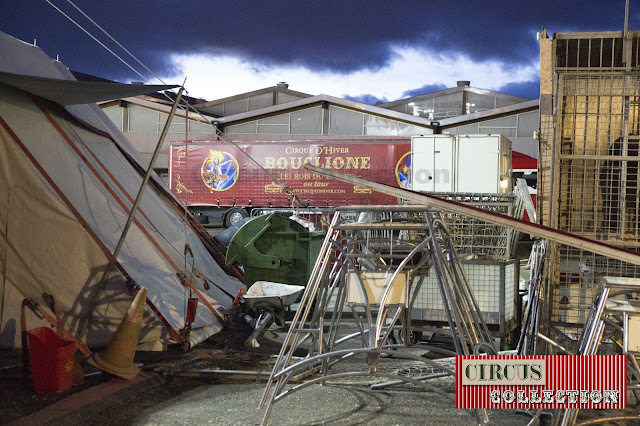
[216, 173]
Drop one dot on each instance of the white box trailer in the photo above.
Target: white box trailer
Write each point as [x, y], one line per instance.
[461, 163]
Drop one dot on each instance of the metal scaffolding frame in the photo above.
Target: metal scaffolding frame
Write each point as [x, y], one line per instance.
[371, 266]
[609, 329]
[528, 344]
[479, 238]
[612, 327]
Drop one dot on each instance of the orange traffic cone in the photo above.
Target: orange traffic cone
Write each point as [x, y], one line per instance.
[117, 357]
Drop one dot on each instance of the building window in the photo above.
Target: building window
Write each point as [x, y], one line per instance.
[116, 114]
[306, 121]
[142, 119]
[303, 122]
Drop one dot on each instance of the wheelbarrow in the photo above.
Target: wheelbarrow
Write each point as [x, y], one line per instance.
[269, 301]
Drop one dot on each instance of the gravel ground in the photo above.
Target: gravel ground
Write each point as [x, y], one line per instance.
[182, 393]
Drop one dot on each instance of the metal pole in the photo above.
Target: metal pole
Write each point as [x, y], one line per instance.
[143, 185]
[626, 21]
[147, 175]
[488, 216]
[626, 42]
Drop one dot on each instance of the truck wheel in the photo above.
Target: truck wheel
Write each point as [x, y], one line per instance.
[234, 216]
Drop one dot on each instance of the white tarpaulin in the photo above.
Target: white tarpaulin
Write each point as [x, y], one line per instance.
[66, 190]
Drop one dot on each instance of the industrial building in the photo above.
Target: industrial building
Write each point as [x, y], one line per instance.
[279, 113]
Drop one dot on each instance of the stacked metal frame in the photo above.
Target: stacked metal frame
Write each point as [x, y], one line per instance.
[612, 327]
[588, 181]
[488, 258]
[372, 263]
[478, 238]
[533, 315]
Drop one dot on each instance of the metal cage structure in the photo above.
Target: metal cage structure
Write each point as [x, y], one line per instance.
[612, 327]
[487, 254]
[589, 182]
[495, 287]
[373, 261]
[478, 238]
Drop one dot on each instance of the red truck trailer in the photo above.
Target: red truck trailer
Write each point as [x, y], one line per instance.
[223, 182]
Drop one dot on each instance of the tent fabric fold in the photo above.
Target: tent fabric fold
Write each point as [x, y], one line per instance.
[72, 92]
[66, 191]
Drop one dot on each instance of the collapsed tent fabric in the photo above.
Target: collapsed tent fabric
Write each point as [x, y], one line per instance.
[70, 92]
[67, 183]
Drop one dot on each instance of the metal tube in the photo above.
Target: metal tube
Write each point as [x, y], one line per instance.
[453, 318]
[263, 322]
[383, 226]
[309, 294]
[399, 382]
[147, 175]
[626, 23]
[593, 325]
[548, 340]
[488, 216]
[387, 289]
[414, 357]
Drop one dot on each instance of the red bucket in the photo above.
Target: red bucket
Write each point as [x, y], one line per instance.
[52, 360]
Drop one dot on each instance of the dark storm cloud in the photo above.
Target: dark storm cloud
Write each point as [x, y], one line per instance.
[366, 99]
[527, 89]
[342, 36]
[429, 88]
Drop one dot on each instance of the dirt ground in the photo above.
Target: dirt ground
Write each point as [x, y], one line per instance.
[220, 382]
[223, 351]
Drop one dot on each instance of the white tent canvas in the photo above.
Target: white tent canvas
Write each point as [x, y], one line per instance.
[68, 179]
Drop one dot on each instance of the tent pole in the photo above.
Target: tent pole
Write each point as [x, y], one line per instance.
[136, 203]
[147, 175]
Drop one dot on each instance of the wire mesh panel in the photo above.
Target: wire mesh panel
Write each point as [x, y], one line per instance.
[494, 284]
[598, 156]
[475, 237]
[578, 273]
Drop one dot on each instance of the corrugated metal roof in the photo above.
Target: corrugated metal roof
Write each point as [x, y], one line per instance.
[319, 99]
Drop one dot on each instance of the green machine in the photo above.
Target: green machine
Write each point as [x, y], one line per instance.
[276, 247]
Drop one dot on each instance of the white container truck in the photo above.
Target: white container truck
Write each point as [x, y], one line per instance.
[461, 163]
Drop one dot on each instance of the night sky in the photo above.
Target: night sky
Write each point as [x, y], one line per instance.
[363, 50]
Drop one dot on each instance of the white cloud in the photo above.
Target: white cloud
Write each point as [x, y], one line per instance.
[217, 76]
